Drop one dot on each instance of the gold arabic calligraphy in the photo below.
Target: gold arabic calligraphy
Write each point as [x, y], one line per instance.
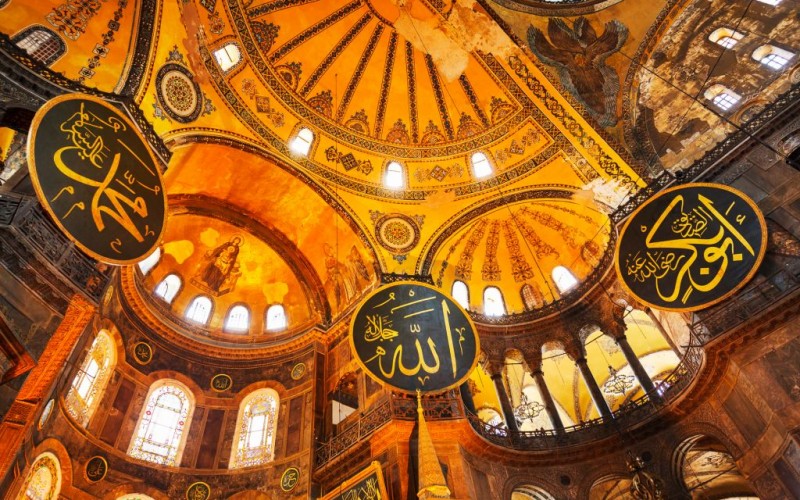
[705, 242]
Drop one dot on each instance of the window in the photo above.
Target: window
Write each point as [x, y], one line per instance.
[772, 56]
[480, 165]
[301, 143]
[149, 262]
[254, 440]
[199, 310]
[44, 479]
[238, 319]
[722, 97]
[531, 297]
[394, 178]
[770, 2]
[161, 431]
[92, 378]
[493, 302]
[168, 288]
[228, 56]
[460, 293]
[564, 279]
[41, 44]
[726, 37]
[276, 318]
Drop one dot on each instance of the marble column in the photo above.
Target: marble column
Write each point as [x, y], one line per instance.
[496, 373]
[466, 397]
[636, 366]
[594, 389]
[549, 404]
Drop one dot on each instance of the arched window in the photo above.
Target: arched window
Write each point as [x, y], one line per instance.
[228, 56]
[161, 431]
[44, 479]
[394, 177]
[90, 382]
[149, 262]
[301, 143]
[41, 44]
[493, 302]
[480, 165]
[531, 297]
[460, 293]
[254, 440]
[238, 319]
[725, 37]
[199, 310]
[722, 97]
[772, 56]
[530, 492]
[564, 279]
[168, 288]
[276, 318]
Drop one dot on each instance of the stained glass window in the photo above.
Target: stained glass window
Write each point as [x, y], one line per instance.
[44, 479]
[276, 318]
[90, 382]
[161, 431]
[254, 442]
[531, 297]
[168, 288]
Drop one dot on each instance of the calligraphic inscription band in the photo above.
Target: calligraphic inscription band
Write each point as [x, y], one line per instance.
[368, 484]
[97, 178]
[411, 336]
[691, 246]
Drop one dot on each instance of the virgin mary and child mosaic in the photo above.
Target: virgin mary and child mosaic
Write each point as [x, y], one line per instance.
[220, 270]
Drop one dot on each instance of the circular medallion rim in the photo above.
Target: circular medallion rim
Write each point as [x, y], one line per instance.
[162, 100]
[284, 474]
[105, 473]
[386, 218]
[382, 382]
[742, 283]
[220, 375]
[29, 149]
[149, 347]
[196, 483]
[305, 368]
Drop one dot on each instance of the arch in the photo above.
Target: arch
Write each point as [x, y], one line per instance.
[301, 143]
[41, 44]
[531, 296]
[493, 303]
[148, 263]
[394, 177]
[256, 423]
[564, 279]
[460, 293]
[238, 319]
[530, 492]
[611, 487]
[481, 167]
[199, 310]
[161, 431]
[773, 57]
[168, 288]
[91, 379]
[276, 318]
[725, 37]
[43, 480]
[228, 56]
[705, 467]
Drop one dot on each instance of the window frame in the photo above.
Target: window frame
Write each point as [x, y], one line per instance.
[486, 160]
[266, 318]
[453, 295]
[192, 304]
[502, 302]
[175, 459]
[223, 47]
[298, 136]
[82, 407]
[403, 184]
[227, 329]
[55, 37]
[270, 428]
[174, 295]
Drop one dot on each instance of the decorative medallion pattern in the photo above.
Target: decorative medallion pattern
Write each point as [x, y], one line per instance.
[396, 232]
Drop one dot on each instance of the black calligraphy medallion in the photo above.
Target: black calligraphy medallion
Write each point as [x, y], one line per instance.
[221, 382]
[142, 353]
[97, 178]
[691, 246]
[96, 469]
[412, 337]
[368, 484]
[290, 478]
[198, 491]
